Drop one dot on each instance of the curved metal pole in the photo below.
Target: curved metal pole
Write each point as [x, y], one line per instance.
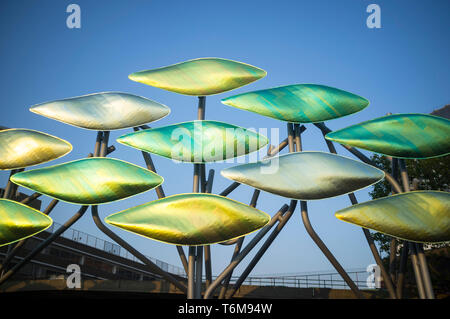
[44, 244]
[160, 193]
[94, 210]
[207, 251]
[387, 279]
[237, 248]
[326, 252]
[264, 247]
[420, 267]
[235, 262]
[319, 242]
[325, 130]
[153, 267]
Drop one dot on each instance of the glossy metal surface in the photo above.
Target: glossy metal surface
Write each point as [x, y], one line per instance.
[191, 219]
[421, 216]
[103, 111]
[399, 135]
[200, 77]
[306, 175]
[196, 141]
[21, 148]
[89, 181]
[19, 221]
[299, 103]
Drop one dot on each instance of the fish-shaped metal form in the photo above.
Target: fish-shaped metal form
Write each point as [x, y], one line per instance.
[399, 135]
[89, 181]
[104, 111]
[196, 141]
[200, 77]
[19, 221]
[21, 148]
[420, 216]
[191, 219]
[306, 175]
[299, 103]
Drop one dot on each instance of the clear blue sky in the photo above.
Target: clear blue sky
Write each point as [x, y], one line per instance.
[402, 67]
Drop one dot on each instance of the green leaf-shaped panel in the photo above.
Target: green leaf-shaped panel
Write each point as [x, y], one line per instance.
[196, 141]
[399, 135]
[299, 103]
[89, 181]
[103, 111]
[19, 221]
[191, 219]
[306, 175]
[21, 148]
[421, 216]
[200, 77]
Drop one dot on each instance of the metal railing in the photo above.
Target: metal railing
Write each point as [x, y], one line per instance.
[305, 280]
[112, 248]
[311, 280]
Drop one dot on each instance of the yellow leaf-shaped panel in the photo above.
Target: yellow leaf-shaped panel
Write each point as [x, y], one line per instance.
[200, 77]
[103, 111]
[89, 181]
[21, 148]
[191, 219]
[421, 216]
[19, 221]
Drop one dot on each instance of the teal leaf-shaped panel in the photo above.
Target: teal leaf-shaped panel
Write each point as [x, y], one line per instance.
[299, 103]
[19, 221]
[421, 216]
[200, 77]
[306, 175]
[89, 181]
[399, 135]
[103, 111]
[191, 219]
[21, 148]
[196, 141]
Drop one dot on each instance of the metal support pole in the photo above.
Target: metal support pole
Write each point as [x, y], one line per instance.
[94, 210]
[421, 272]
[191, 273]
[237, 248]
[235, 262]
[325, 130]
[44, 244]
[160, 193]
[402, 270]
[320, 243]
[264, 247]
[425, 272]
[207, 251]
[417, 272]
[369, 239]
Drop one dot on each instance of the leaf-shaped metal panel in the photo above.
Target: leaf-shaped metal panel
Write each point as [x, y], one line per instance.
[399, 135]
[196, 141]
[21, 148]
[299, 103]
[306, 175]
[191, 219]
[103, 111]
[421, 216]
[19, 221]
[89, 181]
[200, 77]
